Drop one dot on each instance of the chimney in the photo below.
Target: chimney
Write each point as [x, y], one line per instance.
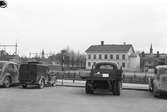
[151, 49]
[102, 43]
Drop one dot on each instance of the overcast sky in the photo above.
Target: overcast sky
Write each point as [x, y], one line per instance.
[55, 24]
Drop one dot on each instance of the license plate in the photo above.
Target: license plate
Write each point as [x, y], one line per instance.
[105, 75]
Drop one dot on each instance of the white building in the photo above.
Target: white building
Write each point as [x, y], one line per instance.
[123, 55]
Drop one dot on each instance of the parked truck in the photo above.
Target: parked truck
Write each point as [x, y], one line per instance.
[104, 76]
[35, 73]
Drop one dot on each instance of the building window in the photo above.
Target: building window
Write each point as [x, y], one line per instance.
[117, 57]
[123, 65]
[94, 56]
[105, 56]
[94, 63]
[123, 57]
[89, 64]
[99, 56]
[111, 56]
[89, 56]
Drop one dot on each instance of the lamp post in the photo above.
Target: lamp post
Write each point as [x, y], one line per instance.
[62, 59]
[3, 4]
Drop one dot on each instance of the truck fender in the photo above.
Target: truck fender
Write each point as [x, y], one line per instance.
[89, 83]
[6, 75]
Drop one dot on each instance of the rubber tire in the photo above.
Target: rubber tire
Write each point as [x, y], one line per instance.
[54, 84]
[150, 89]
[117, 87]
[150, 85]
[42, 84]
[7, 82]
[24, 86]
[88, 89]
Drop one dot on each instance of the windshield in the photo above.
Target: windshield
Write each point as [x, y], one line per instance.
[1, 65]
[162, 71]
[106, 67]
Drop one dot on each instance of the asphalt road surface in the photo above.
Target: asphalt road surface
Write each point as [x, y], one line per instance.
[70, 99]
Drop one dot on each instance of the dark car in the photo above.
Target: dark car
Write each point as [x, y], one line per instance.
[158, 82]
[35, 73]
[104, 76]
[9, 73]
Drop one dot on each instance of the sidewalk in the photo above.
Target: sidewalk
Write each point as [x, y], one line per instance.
[70, 83]
[130, 86]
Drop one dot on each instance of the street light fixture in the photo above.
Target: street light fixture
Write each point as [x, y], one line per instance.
[3, 4]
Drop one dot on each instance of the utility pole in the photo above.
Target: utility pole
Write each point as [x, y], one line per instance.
[62, 59]
[16, 46]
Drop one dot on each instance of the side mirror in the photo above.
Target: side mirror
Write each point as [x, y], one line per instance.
[3, 3]
[92, 67]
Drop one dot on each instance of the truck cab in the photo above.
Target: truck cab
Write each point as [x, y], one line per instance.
[35, 73]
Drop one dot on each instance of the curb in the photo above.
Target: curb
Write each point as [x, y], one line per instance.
[137, 89]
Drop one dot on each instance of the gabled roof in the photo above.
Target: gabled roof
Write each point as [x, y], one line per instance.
[113, 48]
[133, 55]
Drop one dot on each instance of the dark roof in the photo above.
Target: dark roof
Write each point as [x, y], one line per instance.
[109, 48]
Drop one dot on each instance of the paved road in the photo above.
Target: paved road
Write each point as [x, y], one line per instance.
[70, 99]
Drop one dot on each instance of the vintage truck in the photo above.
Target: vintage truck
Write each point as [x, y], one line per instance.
[158, 82]
[104, 76]
[9, 73]
[35, 73]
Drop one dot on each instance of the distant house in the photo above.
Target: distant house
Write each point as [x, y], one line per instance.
[150, 60]
[121, 54]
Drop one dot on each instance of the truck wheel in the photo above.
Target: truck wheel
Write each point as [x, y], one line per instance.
[54, 84]
[88, 89]
[41, 84]
[7, 82]
[150, 88]
[24, 86]
[150, 85]
[117, 86]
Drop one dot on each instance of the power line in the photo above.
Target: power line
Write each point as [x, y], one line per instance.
[10, 45]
